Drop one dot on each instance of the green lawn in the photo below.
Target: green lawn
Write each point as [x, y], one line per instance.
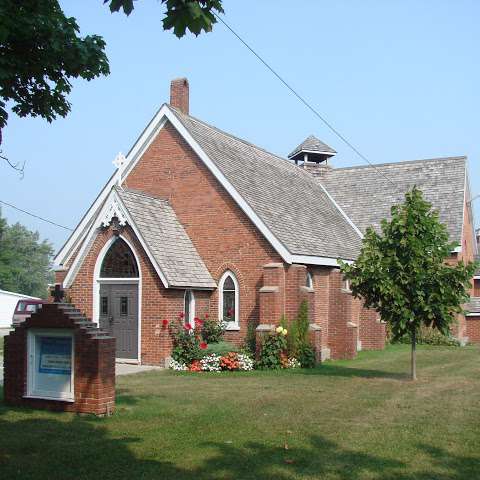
[359, 419]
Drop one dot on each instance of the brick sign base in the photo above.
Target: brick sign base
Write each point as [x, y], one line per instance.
[93, 366]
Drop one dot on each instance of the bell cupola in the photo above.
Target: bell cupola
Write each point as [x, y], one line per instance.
[312, 150]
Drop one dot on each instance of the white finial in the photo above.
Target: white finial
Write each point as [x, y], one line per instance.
[119, 162]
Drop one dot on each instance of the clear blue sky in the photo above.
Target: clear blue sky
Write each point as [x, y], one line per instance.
[399, 79]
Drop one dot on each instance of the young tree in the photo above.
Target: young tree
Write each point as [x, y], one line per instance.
[402, 273]
[24, 260]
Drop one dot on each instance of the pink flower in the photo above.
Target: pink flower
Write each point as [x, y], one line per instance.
[187, 326]
[198, 322]
[203, 345]
[164, 323]
[181, 315]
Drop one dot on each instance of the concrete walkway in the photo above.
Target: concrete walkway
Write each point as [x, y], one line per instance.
[120, 369]
[128, 369]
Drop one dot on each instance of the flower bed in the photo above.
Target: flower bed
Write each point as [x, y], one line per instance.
[193, 352]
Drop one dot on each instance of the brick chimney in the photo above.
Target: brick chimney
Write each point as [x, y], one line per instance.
[179, 91]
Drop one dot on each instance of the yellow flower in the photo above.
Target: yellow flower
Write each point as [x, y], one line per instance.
[279, 329]
[284, 332]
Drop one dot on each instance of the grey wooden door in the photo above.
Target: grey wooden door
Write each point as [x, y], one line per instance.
[119, 317]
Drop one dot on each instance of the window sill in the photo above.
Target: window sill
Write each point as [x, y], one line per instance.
[345, 290]
[232, 328]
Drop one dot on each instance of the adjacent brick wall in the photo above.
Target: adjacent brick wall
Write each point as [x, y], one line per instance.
[473, 329]
[94, 369]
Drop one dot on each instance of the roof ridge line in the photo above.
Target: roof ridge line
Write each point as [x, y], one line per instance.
[404, 162]
[283, 162]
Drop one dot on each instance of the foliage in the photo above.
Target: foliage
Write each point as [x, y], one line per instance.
[40, 52]
[181, 15]
[298, 339]
[212, 330]
[306, 355]
[250, 343]
[273, 349]
[186, 341]
[220, 348]
[401, 272]
[430, 336]
[24, 260]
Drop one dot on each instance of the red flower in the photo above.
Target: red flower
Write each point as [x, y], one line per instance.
[181, 315]
[165, 323]
[203, 345]
[198, 322]
[206, 315]
[187, 326]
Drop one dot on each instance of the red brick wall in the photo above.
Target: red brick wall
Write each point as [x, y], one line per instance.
[473, 329]
[342, 334]
[94, 369]
[223, 235]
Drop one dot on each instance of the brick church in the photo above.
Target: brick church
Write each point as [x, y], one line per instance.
[196, 220]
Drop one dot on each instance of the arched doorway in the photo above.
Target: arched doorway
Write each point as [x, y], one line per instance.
[118, 304]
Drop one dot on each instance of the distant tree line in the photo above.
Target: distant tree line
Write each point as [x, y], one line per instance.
[25, 261]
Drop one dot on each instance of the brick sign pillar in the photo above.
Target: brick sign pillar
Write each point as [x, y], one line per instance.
[59, 360]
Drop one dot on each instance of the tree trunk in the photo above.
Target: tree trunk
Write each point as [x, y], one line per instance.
[414, 354]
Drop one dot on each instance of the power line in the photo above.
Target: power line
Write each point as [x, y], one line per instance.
[299, 97]
[36, 216]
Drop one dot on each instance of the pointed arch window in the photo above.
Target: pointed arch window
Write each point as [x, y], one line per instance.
[119, 261]
[189, 307]
[228, 301]
[309, 282]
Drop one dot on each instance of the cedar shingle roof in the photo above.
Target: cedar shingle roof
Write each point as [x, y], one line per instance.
[366, 196]
[167, 240]
[289, 201]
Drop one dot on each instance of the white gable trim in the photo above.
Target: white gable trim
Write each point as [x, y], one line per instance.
[134, 155]
[112, 199]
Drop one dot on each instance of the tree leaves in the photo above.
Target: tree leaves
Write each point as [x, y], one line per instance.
[40, 51]
[181, 15]
[401, 272]
[24, 260]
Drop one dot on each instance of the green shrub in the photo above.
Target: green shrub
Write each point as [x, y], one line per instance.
[186, 343]
[249, 345]
[273, 350]
[306, 356]
[212, 330]
[430, 336]
[220, 348]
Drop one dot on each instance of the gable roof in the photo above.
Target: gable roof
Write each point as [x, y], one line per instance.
[366, 196]
[295, 208]
[158, 230]
[167, 240]
[314, 145]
